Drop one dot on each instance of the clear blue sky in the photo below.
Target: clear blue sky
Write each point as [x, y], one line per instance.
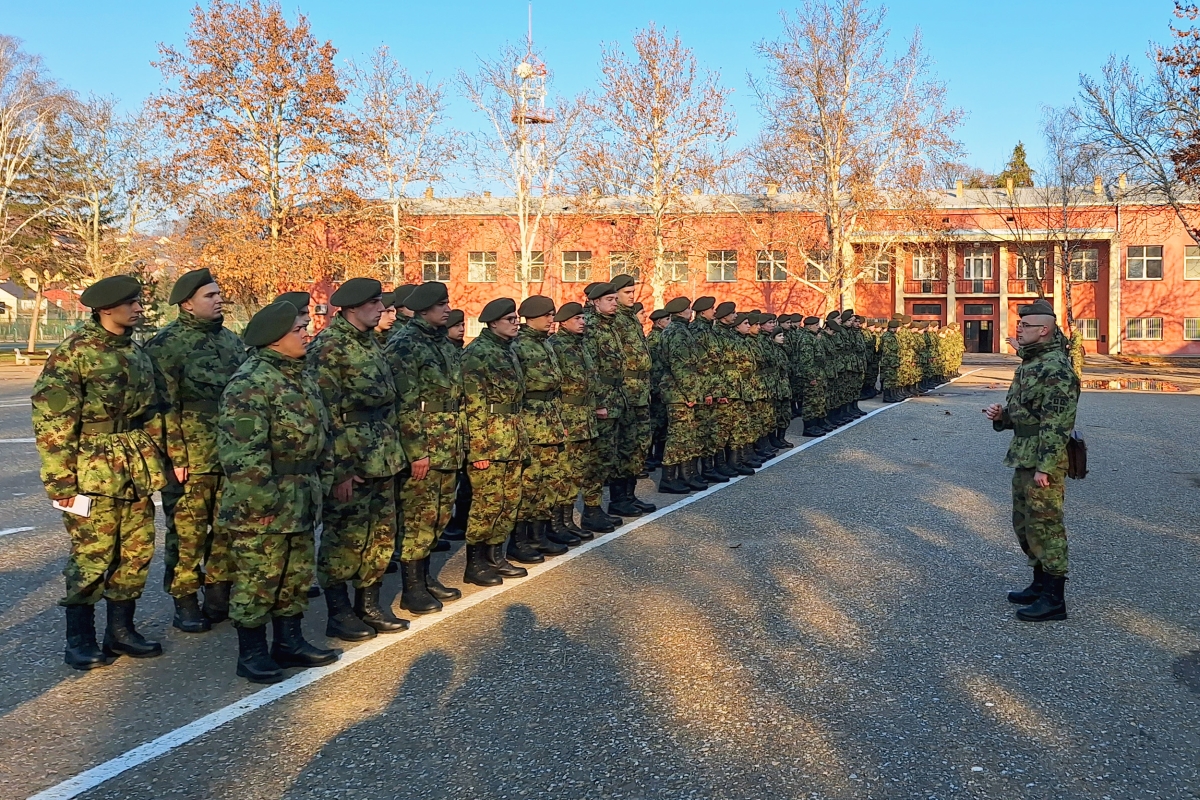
[1001, 60]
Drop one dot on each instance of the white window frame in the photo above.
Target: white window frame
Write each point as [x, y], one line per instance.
[815, 272]
[978, 259]
[576, 261]
[624, 263]
[1194, 322]
[435, 261]
[537, 267]
[878, 269]
[1085, 266]
[772, 264]
[1143, 260]
[1039, 267]
[481, 266]
[474, 327]
[1089, 328]
[1191, 263]
[926, 267]
[675, 266]
[1144, 329]
[723, 261]
[393, 270]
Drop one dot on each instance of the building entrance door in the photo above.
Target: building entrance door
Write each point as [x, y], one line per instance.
[977, 335]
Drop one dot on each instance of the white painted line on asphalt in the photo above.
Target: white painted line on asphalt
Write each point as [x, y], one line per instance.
[18, 441]
[23, 404]
[90, 779]
[7, 531]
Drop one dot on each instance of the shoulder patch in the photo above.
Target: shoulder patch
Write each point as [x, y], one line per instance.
[57, 399]
[244, 426]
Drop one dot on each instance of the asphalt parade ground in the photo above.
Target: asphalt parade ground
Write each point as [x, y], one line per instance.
[834, 626]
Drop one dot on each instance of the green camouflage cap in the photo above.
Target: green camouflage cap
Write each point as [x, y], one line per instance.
[109, 292]
[389, 299]
[568, 311]
[426, 296]
[270, 324]
[401, 295]
[812, 321]
[847, 315]
[1038, 307]
[188, 284]
[500, 307]
[355, 292]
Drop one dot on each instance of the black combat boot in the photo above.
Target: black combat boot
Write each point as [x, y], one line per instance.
[520, 549]
[479, 571]
[654, 460]
[494, 553]
[567, 516]
[367, 608]
[441, 546]
[690, 479]
[82, 651]
[188, 617]
[764, 449]
[781, 439]
[595, 520]
[414, 594]
[619, 501]
[121, 638]
[434, 586]
[341, 622]
[540, 540]
[216, 601]
[812, 429]
[1051, 605]
[254, 663]
[1032, 592]
[631, 494]
[557, 531]
[750, 458]
[857, 410]
[721, 459]
[710, 472]
[291, 649]
[456, 531]
[738, 461]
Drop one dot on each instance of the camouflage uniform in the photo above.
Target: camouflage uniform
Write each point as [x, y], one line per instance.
[196, 358]
[889, 360]
[812, 375]
[274, 447]
[98, 421]
[427, 370]
[681, 385]
[740, 366]
[542, 482]
[634, 431]
[494, 386]
[579, 418]
[358, 536]
[658, 409]
[606, 350]
[1040, 410]
[708, 416]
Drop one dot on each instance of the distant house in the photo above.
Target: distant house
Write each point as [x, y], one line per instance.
[17, 301]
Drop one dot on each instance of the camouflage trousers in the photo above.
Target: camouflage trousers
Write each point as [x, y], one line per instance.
[743, 428]
[658, 419]
[706, 423]
[358, 537]
[110, 551]
[889, 377]
[783, 413]
[814, 402]
[580, 471]
[197, 551]
[542, 482]
[722, 425]
[608, 442]
[683, 440]
[495, 498]
[634, 444]
[272, 576]
[425, 508]
[763, 417]
[1038, 519]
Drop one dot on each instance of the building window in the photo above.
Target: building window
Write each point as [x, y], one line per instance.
[675, 265]
[1191, 329]
[474, 327]
[481, 267]
[435, 267]
[624, 264]
[392, 267]
[577, 266]
[1144, 328]
[1144, 263]
[815, 271]
[535, 271]
[928, 309]
[925, 268]
[1191, 263]
[978, 310]
[1085, 265]
[1032, 266]
[1088, 328]
[722, 265]
[977, 264]
[772, 265]
[879, 269]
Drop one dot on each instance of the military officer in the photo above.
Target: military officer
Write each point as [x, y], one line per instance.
[682, 389]
[456, 530]
[713, 466]
[387, 320]
[889, 362]
[302, 301]
[659, 319]
[634, 432]
[579, 414]
[607, 350]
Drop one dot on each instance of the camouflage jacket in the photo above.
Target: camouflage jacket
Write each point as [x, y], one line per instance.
[578, 386]
[360, 394]
[777, 358]
[681, 358]
[808, 359]
[430, 413]
[1040, 409]
[196, 358]
[711, 373]
[541, 413]
[657, 367]
[636, 357]
[98, 418]
[495, 387]
[828, 352]
[274, 446]
[737, 362]
[605, 346]
[889, 353]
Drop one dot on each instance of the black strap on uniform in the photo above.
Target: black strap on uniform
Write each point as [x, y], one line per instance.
[281, 467]
[200, 406]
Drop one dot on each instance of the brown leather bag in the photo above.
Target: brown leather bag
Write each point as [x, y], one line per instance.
[1076, 456]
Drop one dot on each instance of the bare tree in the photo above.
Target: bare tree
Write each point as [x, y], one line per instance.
[856, 133]
[661, 128]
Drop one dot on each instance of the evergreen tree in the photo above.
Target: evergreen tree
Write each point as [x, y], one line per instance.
[1018, 169]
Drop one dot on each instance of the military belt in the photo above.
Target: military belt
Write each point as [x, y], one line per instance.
[504, 408]
[439, 406]
[376, 414]
[112, 426]
[577, 399]
[1025, 430]
[295, 467]
[637, 374]
[612, 381]
[200, 406]
[543, 396]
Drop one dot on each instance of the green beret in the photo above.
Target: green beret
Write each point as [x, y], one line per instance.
[832, 324]
[536, 305]
[426, 296]
[905, 319]
[389, 299]
[355, 292]
[109, 292]
[456, 318]
[568, 311]
[187, 285]
[745, 316]
[703, 303]
[500, 307]
[831, 315]
[725, 309]
[299, 299]
[270, 324]
[677, 306]
[637, 308]
[598, 290]
[661, 313]
[812, 320]
[587, 289]
[893, 323]
[401, 295]
[847, 314]
[768, 318]
[1038, 307]
[622, 281]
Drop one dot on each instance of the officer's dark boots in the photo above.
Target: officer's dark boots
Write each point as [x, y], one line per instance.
[82, 651]
[691, 476]
[494, 554]
[557, 530]
[566, 517]
[521, 549]
[595, 520]
[813, 429]
[781, 440]
[291, 649]
[764, 449]
[722, 459]
[1032, 592]
[188, 617]
[539, 537]
[368, 609]
[670, 482]
[619, 501]
[254, 663]
[631, 494]
[121, 638]
[216, 601]
[414, 594]
[434, 586]
[710, 472]
[342, 623]
[750, 458]
[479, 571]
[1052, 605]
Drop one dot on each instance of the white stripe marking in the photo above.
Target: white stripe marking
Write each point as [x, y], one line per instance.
[18, 441]
[23, 404]
[7, 531]
[90, 779]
